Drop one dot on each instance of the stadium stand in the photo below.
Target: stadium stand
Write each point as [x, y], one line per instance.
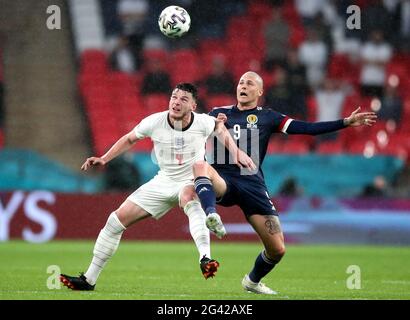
[28, 170]
[113, 103]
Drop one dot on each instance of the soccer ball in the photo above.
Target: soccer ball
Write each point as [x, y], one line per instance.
[174, 21]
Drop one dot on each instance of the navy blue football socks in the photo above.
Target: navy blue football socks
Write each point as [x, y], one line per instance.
[206, 194]
[263, 265]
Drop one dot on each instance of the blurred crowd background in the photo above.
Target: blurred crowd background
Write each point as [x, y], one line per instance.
[70, 93]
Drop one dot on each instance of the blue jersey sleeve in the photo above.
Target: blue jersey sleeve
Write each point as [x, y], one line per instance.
[285, 124]
[213, 113]
[314, 128]
[279, 121]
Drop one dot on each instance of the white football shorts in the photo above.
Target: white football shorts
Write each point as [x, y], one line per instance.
[159, 195]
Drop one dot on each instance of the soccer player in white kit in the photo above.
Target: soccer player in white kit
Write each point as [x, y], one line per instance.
[179, 137]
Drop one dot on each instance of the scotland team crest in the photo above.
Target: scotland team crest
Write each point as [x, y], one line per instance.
[251, 121]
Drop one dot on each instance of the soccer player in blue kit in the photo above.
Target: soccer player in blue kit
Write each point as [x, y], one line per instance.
[227, 184]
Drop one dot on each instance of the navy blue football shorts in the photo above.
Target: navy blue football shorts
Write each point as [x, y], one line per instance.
[247, 192]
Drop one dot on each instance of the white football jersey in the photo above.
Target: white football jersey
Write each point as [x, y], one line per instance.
[176, 150]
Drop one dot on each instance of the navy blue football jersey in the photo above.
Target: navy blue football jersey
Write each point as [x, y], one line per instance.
[251, 129]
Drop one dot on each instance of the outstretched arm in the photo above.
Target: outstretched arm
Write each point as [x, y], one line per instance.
[123, 144]
[240, 157]
[313, 128]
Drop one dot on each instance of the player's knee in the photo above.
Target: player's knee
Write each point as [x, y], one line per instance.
[276, 253]
[280, 252]
[185, 199]
[193, 206]
[201, 168]
[115, 219]
[121, 215]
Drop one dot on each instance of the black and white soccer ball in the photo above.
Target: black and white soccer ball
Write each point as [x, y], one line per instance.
[174, 21]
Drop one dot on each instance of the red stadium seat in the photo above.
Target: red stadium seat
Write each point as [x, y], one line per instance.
[243, 35]
[93, 61]
[97, 95]
[155, 102]
[240, 63]
[330, 147]
[1, 138]
[94, 55]
[129, 111]
[404, 125]
[402, 139]
[290, 13]
[295, 147]
[260, 10]
[104, 134]
[275, 146]
[380, 125]
[137, 82]
[340, 67]
[311, 105]
[397, 67]
[239, 28]
[337, 65]
[297, 35]
[212, 46]
[219, 100]
[189, 70]
[102, 143]
[367, 148]
[306, 139]
[156, 54]
[395, 149]
[153, 56]
[121, 80]
[355, 147]
[349, 136]
[207, 60]
[91, 80]
[268, 78]
[102, 118]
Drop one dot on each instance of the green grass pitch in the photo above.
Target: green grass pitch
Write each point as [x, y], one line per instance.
[170, 271]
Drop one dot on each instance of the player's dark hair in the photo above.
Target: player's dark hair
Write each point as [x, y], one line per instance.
[188, 87]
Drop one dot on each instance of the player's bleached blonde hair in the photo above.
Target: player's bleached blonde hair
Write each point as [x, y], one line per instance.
[258, 78]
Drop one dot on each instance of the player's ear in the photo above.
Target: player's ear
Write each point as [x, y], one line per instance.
[260, 92]
[194, 105]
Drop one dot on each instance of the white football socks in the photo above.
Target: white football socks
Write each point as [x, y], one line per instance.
[105, 246]
[197, 227]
